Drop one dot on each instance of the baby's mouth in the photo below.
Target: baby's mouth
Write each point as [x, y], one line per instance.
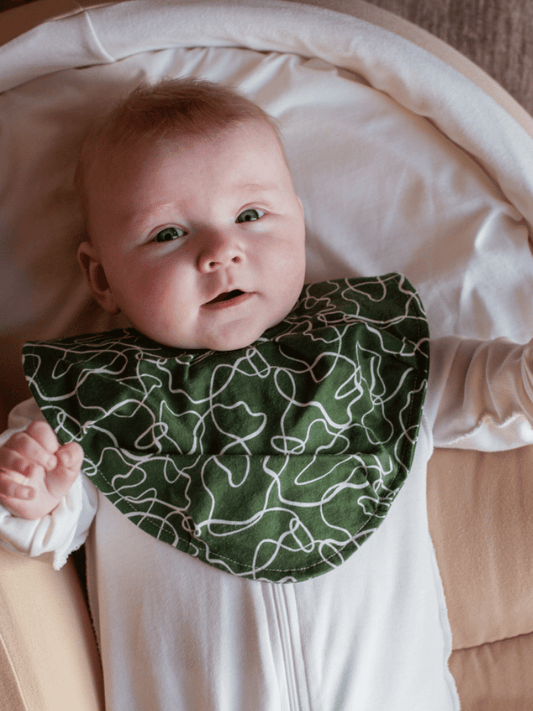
[226, 296]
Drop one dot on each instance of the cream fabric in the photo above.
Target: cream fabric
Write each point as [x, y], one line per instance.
[480, 518]
[45, 628]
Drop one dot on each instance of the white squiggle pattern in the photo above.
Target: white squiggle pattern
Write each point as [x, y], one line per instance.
[274, 462]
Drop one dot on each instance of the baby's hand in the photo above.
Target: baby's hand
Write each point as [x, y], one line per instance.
[36, 472]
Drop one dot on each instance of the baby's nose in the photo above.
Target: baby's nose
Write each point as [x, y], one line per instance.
[219, 252]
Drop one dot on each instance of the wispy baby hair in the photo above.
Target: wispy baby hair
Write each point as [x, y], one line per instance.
[166, 110]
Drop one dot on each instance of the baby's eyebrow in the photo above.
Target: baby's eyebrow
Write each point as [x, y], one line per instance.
[144, 213]
[256, 187]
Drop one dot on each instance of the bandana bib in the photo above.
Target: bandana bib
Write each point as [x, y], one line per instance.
[273, 462]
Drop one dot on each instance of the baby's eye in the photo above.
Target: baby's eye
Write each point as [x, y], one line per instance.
[168, 234]
[250, 215]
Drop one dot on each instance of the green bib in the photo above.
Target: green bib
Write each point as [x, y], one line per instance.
[273, 462]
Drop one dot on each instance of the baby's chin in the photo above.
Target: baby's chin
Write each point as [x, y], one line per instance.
[233, 342]
[211, 343]
[234, 334]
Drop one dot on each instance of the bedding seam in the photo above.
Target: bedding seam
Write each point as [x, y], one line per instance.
[105, 54]
[4, 652]
[494, 641]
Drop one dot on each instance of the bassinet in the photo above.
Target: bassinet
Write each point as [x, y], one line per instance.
[406, 158]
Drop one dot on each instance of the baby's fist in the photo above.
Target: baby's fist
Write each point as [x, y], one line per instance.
[36, 472]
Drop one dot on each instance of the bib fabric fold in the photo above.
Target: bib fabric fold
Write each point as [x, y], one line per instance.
[273, 462]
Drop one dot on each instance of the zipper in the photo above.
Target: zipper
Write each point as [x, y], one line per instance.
[291, 647]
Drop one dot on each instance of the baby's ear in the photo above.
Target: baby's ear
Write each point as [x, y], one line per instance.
[96, 278]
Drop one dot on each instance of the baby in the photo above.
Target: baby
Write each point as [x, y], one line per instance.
[196, 234]
[173, 217]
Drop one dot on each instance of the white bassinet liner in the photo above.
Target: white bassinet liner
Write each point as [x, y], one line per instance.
[401, 162]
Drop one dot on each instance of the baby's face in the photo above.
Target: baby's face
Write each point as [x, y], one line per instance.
[201, 241]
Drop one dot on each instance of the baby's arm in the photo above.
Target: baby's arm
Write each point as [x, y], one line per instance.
[64, 529]
[36, 472]
[480, 394]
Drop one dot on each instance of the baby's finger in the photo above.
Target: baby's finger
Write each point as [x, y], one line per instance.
[22, 451]
[12, 461]
[44, 435]
[70, 458]
[13, 486]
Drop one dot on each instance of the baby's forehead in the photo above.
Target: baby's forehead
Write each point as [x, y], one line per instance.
[118, 160]
[118, 169]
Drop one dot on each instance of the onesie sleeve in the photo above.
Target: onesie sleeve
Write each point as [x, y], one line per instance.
[480, 394]
[56, 535]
